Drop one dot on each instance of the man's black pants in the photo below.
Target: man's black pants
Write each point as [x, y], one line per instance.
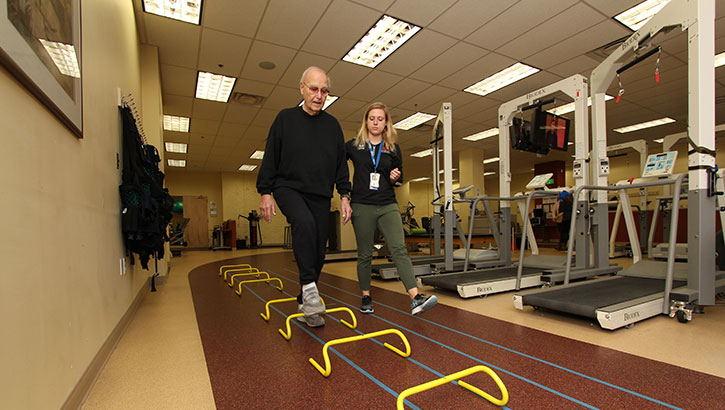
[309, 216]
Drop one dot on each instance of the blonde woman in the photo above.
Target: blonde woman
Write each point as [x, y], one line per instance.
[378, 168]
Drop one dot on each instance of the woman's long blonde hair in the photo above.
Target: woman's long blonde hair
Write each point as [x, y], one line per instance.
[390, 136]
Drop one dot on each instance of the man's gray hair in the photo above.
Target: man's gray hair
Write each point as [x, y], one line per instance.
[308, 69]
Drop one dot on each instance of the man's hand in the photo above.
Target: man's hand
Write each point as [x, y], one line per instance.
[346, 210]
[267, 207]
[394, 175]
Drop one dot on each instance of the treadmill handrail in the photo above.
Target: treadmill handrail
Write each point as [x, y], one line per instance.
[677, 181]
[520, 269]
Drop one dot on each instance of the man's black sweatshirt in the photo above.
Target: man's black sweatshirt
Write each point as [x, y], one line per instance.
[305, 153]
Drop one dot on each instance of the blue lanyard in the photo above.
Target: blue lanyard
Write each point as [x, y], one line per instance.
[376, 160]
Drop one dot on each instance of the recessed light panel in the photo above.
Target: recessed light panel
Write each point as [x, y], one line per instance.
[177, 147]
[644, 125]
[482, 135]
[248, 168]
[175, 123]
[490, 160]
[719, 60]
[64, 57]
[385, 37]
[507, 76]
[182, 10]
[639, 15]
[413, 121]
[214, 87]
[176, 162]
[420, 179]
[257, 155]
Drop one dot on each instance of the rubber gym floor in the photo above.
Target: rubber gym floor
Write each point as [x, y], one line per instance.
[252, 366]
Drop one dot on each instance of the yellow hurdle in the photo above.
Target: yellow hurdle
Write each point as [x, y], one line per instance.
[249, 269]
[288, 335]
[463, 373]
[239, 291]
[328, 367]
[243, 265]
[265, 315]
[257, 274]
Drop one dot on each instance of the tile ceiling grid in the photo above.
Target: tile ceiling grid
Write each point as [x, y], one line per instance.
[460, 43]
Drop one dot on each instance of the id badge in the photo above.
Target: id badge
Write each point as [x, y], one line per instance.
[374, 181]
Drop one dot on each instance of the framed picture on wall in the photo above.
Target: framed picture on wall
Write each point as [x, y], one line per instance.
[40, 44]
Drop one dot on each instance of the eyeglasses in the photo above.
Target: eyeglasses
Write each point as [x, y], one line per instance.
[315, 89]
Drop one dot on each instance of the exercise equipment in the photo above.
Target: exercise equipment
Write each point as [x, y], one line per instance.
[255, 231]
[265, 315]
[328, 366]
[288, 333]
[178, 207]
[267, 280]
[223, 268]
[456, 377]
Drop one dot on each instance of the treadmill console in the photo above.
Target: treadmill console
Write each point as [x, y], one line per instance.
[660, 164]
[539, 181]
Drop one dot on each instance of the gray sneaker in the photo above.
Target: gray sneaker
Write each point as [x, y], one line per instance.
[421, 303]
[367, 304]
[311, 303]
[311, 321]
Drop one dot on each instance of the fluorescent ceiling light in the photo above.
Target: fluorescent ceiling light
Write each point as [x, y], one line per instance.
[177, 147]
[452, 170]
[215, 87]
[719, 60]
[501, 79]
[482, 135]
[413, 121]
[247, 167]
[420, 179]
[424, 153]
[257, 155]
[485, 174]
[328, 101]
[174, 123]
[567, 108]
[490, 160]
[639, 15]
[569, 143]
[176, 162]
[64, 57]
[659, 140]
[643, 125]
[184, 10]
[385, 37]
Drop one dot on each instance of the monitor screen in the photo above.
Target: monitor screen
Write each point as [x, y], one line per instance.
[551, 130]
[520, 131]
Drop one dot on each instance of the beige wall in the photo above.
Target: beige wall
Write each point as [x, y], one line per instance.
[61, 294]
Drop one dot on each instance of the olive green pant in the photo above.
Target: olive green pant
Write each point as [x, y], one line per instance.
[387, 218]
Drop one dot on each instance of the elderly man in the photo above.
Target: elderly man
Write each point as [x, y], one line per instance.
[303, 160]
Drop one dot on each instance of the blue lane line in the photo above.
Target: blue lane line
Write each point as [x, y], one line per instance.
[332, 349]
[640, 395]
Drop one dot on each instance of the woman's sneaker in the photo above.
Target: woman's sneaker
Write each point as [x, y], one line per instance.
[421, 303]
[367, 304]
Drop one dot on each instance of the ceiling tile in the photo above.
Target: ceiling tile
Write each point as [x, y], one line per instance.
[200, 142]
[240, 113]
[252, 87]
[577, 65]
[173, 136]
[235, 17]
[340, 28]
[256, 133]
[178, 42]
[297, 19]
[611, 8]
[484, 67]
[207, 127]
[283, 97]
[222, 53]
[560, 27]
[344, 76]
[230, 129]
[432, 95]
[373, 85]
[420, 49]
[456, 57]
[344, 107]
[419, 12]
[208, 110]
[225, 142]
[402, 91]
[380, 5]
[464, 17]
[515, 21]
[178, 80]
[264, 118]
[260, 51]
[458, 101]
[177, 105]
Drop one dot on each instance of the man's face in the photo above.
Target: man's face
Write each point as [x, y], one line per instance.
[314, 91]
